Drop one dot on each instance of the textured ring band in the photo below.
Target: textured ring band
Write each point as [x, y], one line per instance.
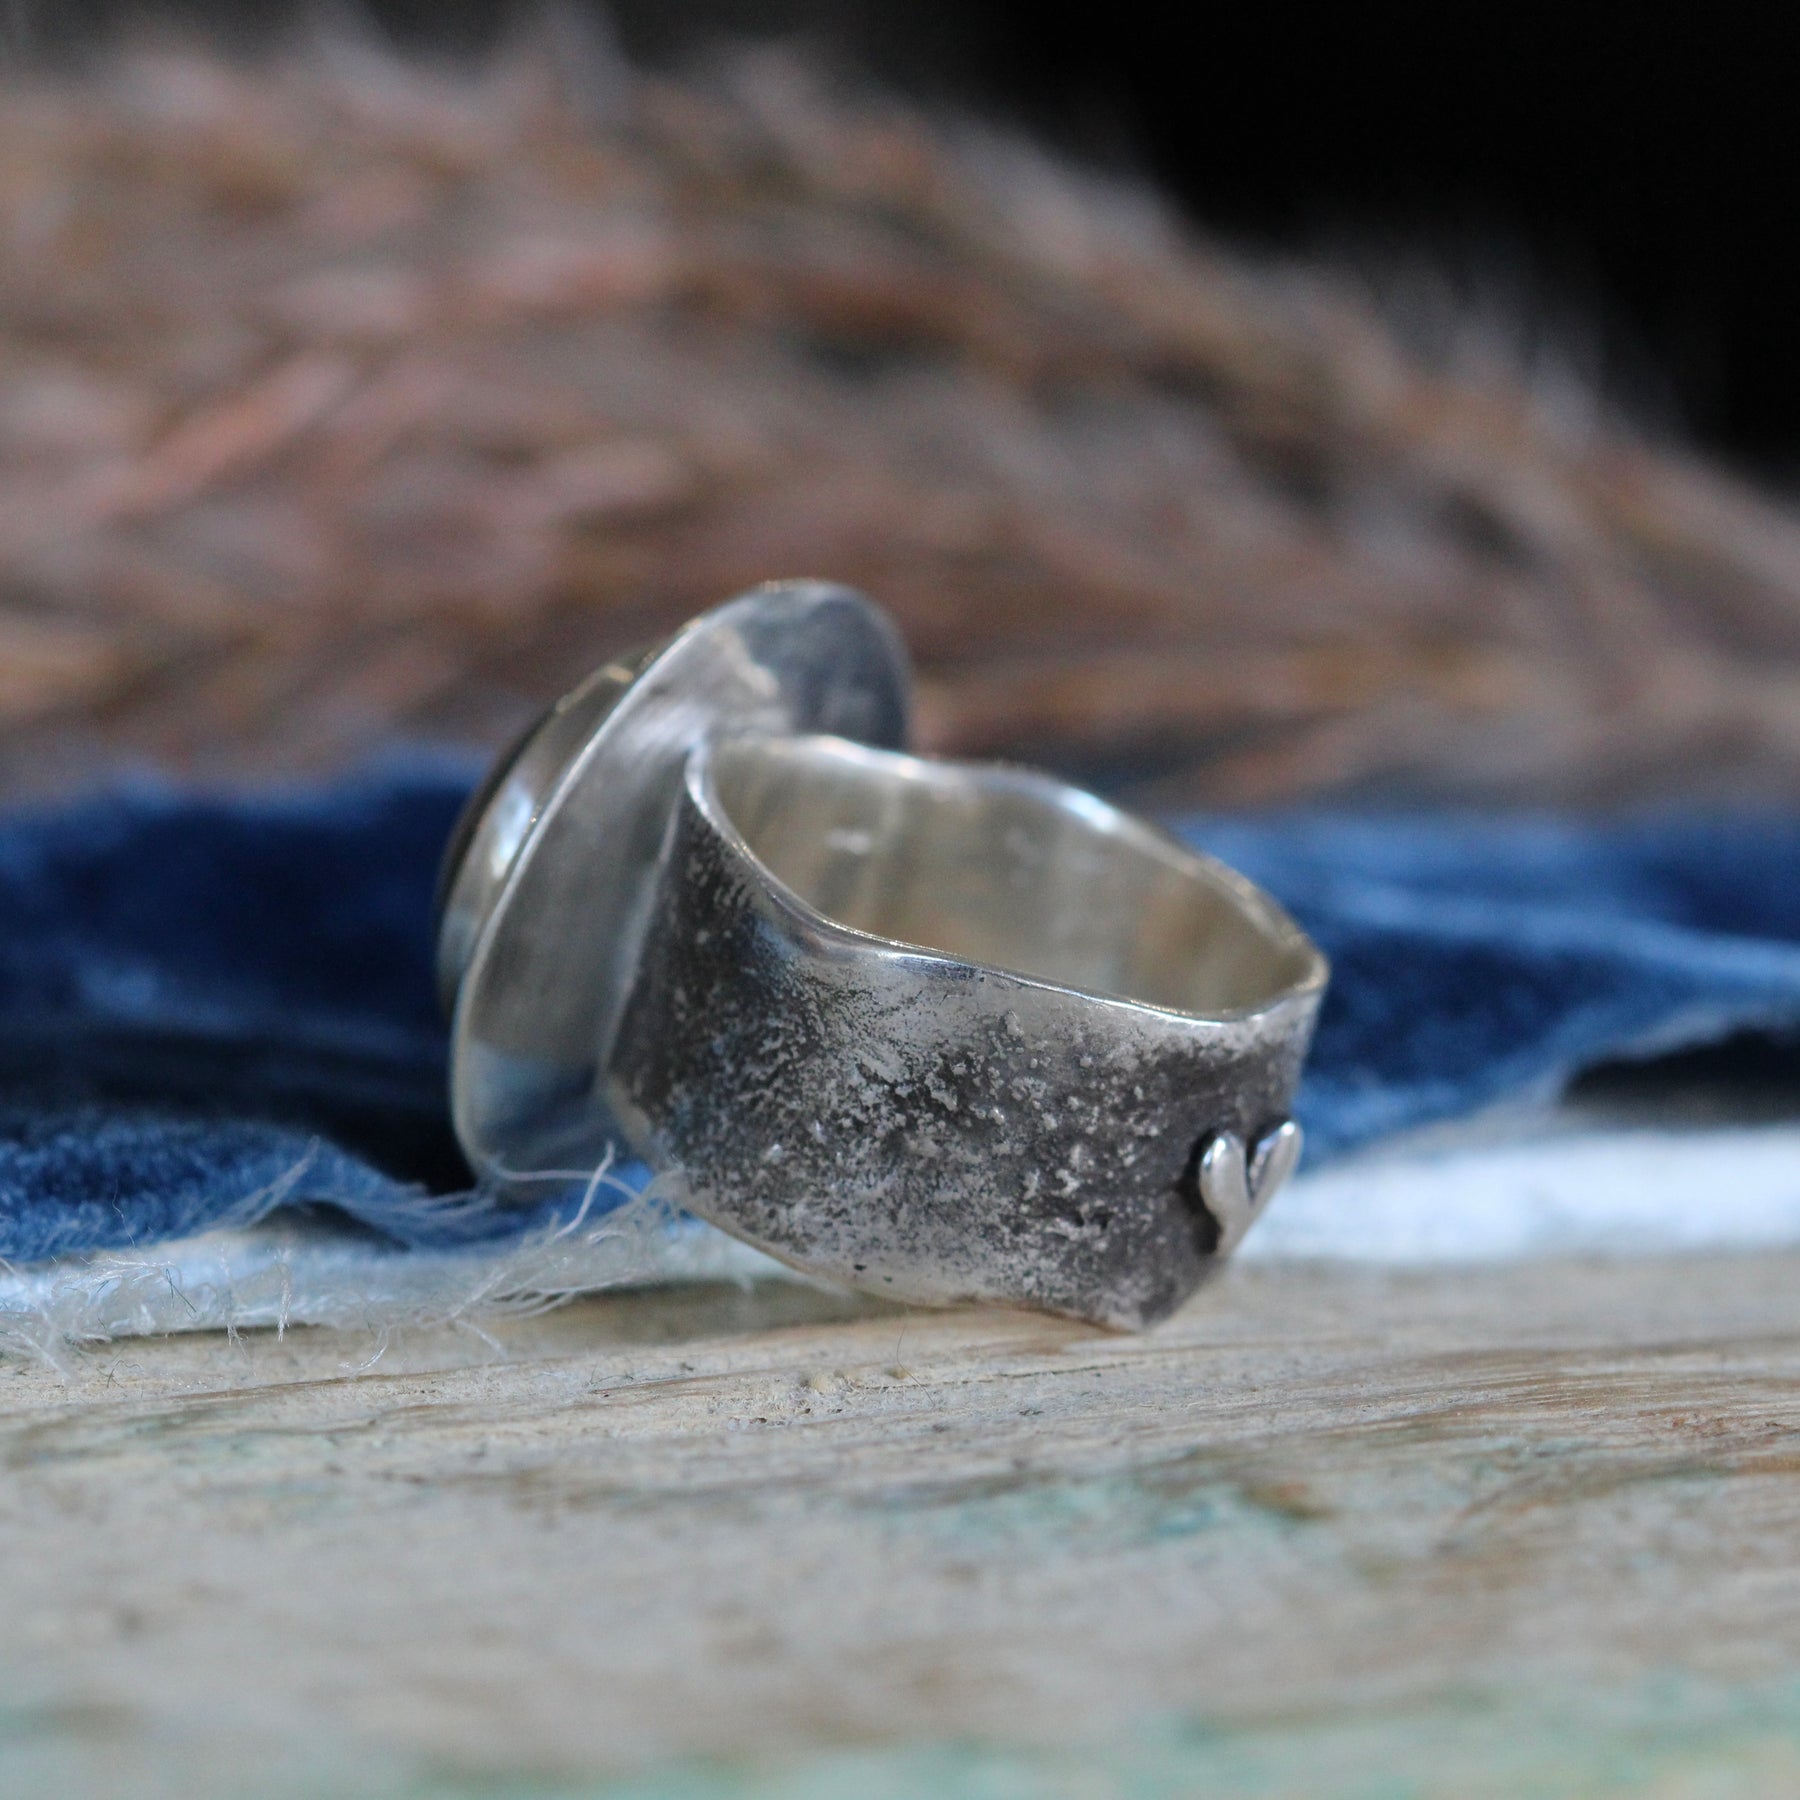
[939, 1031]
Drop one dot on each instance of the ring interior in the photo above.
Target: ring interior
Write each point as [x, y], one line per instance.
[1008, 869]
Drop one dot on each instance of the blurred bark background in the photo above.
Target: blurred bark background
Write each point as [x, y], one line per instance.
[347, 399]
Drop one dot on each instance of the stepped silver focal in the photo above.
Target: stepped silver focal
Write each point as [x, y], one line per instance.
[940, 1031]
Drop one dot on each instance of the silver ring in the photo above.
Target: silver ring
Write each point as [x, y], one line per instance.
[943, 1032]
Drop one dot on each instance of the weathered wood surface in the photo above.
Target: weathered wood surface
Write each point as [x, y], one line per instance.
[1521, 1530]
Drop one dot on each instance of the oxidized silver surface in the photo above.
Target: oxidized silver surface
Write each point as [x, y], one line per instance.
[939, 1031]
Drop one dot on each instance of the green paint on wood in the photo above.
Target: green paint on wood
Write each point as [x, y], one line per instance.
[1672, 1738]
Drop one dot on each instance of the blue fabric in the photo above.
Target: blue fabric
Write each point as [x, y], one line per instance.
[1474, 959]
[209, 1006]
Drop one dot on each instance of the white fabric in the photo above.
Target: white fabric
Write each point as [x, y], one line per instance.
[1569, 1184]
[1574, 1188]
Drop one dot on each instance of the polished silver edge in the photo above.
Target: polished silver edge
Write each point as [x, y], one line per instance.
[465, 943]
[485, 844]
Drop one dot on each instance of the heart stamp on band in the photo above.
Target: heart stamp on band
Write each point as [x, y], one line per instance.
[1236, 1184]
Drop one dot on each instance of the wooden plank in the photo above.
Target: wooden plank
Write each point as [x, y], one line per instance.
[1324, 1515]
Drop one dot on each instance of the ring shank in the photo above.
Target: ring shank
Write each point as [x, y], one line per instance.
[899, 1024]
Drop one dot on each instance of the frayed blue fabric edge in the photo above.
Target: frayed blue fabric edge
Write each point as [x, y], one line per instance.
[1475, 961]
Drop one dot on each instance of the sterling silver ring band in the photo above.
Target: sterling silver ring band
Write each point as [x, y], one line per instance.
[939, 1031]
